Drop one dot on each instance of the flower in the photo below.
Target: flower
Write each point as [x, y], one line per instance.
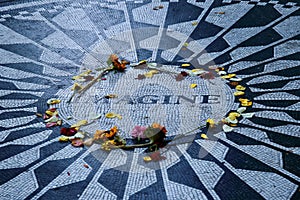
[138, 132]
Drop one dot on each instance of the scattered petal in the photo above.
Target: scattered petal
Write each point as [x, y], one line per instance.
[51, 124]
[69, 117]
[76, 87]
[193, 85]
[110, 96]
[241, 109]
[68, 131]
[222, 73]
[141, 76]
[80, 123]
[110, 115]
[229, 76]
[235, 79]
[234, 83]
[39, 114]
[239, 87]
[230, 120]
[186, 65]
[68, 173]
[147, 158]
[63, 139]
[238, 93]
[52, 119]
[204, 136]
[88, 142]
[194, 23]
[53, 101]
[152, 64]
[248, 115]
[186, 44]
[220, 13]
[227, 128]
[86, 165]
[148, 75]
[179, 77]
[77, 142]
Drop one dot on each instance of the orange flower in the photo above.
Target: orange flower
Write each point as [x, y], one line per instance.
[113, 131]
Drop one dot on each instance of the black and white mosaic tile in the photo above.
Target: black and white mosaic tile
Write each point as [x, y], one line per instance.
[44, 43]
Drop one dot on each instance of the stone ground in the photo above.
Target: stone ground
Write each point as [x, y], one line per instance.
[46, 42]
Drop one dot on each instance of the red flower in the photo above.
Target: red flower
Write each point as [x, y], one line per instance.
[68, 131]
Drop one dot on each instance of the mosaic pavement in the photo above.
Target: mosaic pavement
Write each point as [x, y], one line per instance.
[45, 42]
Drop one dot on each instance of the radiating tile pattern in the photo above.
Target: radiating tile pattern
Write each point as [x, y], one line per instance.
[43, 43]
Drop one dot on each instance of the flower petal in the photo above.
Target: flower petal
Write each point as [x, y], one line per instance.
[241, 109]
[227, 128]
[204, 136]
[193, 85]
